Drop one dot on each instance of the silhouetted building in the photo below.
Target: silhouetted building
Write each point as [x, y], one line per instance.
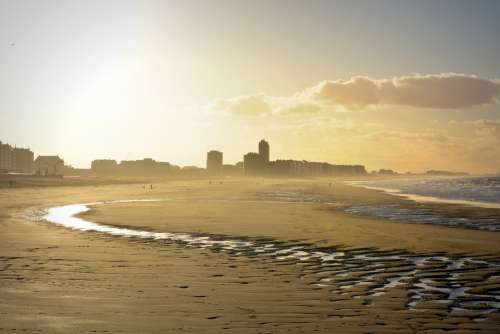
[347, 170]
[105, 166]
[445, 173]
[310, 169]
[145, 166]
[142, 167]
[214, 162]
[49, 165]
[69, 170]
[264, 151]
[18, 160]
[23, 160]
[386, 172]
[192, 168]
[193, 171]
[233, 170]
[257, 163]
[6, 158]
[253, 164]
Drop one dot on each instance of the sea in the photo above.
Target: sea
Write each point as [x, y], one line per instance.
[481, 191]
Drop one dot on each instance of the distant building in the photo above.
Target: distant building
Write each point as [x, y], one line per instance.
[192, 168]
[445, 173]
[18, 160]
[386, 172]
[192, 171]
[303, 168]
[49, 165]
[257, 163]
[233, 170]
[214, 162]
[264, 151]
[146, 166]
[240, 165]
[253, 164]
[23, 160]
[6, 158]
[104, 166]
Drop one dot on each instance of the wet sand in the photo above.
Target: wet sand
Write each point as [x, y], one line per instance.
[310, 211]
[59, 280]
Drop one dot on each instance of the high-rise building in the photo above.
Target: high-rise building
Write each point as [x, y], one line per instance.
[264, 151]
[214, 162]
[257, 163]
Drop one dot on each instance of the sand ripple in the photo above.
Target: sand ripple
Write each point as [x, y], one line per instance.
[458, 284]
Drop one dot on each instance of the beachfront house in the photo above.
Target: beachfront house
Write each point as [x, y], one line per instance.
[49, 165]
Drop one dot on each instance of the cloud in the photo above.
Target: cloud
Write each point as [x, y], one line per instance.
[439, 91]
[486, 126]
[436, 91]
[430, 136]
[296, 107]
[262, 105]
[257, 104]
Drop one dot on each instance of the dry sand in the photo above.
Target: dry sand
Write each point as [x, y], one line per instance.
[56, 280]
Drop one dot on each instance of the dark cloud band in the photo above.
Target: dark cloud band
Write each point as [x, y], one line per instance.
[441, 91]
[437, 91]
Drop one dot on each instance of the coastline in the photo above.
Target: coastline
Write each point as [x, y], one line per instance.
[423, 198]
[78, 281]
[321, 260]
[320, 224]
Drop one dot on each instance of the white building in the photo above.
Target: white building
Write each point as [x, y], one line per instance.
[49, 165]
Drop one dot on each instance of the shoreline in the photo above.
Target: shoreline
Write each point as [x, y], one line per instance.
[77, 281]
[325, 222]
[317, 259]
[424, 198]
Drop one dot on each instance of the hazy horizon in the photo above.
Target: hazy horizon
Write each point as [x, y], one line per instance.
[352, 94]
[405, 85]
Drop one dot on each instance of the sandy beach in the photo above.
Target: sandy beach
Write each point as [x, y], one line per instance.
[249, 167]
[58, 280]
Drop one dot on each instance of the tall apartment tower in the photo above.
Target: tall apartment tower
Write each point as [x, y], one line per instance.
[264, 151]
[214, 162]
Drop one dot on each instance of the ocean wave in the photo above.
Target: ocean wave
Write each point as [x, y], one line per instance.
[474, 189]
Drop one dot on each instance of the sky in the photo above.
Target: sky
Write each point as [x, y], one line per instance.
[407, 85]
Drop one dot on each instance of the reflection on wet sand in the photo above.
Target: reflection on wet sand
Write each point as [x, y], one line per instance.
[460, 285]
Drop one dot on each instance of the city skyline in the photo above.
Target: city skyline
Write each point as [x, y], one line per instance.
[389, 84]
[250, 166]
[21, 161]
